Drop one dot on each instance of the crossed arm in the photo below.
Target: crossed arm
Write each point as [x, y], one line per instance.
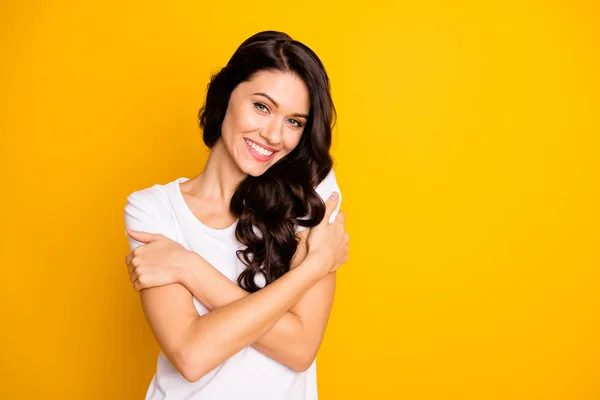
[295, 338]
[285, 320]
[196, 345]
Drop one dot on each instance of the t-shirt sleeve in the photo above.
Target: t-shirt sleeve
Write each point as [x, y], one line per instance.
[145, 211]
[324, 189]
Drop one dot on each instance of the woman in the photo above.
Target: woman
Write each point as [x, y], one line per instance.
[236, 267]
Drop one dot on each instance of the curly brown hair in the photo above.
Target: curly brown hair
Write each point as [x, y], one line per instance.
[270, 206]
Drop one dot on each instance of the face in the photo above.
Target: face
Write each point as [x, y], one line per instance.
[265, 119]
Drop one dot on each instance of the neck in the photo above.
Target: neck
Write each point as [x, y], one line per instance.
[220, 176]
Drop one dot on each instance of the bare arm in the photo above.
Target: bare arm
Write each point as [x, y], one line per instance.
[295, 338]
[198, 344]
[195, 344]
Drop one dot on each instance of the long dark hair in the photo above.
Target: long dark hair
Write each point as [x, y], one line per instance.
[270, 206]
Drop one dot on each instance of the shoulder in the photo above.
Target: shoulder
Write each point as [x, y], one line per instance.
[152, 200]
[149, 210]
[324, 189]
[328, 185]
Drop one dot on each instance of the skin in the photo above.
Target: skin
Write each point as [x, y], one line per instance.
[287, 319]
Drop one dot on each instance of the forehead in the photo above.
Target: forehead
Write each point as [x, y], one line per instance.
[288, 90]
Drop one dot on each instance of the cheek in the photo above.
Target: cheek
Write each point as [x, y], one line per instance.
[246, 120]
[292, 141]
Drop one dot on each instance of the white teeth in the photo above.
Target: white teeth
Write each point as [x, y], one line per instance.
[259, 149]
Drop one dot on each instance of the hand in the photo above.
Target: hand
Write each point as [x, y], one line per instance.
[161, 261]
[330, 241]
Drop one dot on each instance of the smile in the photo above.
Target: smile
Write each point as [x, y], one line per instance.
[258, 152]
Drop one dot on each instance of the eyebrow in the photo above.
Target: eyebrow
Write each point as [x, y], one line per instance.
[277, 105]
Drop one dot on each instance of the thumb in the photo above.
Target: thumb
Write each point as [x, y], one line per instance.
[330, 205]
[144, 237]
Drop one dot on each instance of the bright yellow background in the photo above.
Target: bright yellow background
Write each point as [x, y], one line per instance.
[467, 150]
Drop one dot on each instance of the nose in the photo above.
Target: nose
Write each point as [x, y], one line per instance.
[272, 132]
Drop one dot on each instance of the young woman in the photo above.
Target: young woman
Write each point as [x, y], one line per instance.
[236, 266]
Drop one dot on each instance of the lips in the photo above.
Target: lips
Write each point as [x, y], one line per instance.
[262, 145]
[258, 156]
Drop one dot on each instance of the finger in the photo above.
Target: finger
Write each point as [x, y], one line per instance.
[128, 258]
[130, 268]
[340, 218]
[330, 205]
[137, 285]
[144, 237]
[133, 276]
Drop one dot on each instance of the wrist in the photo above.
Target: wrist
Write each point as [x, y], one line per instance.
[186, 264]
[321, 260]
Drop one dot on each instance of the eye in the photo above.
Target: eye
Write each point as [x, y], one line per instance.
[261, 107]
[297, 123]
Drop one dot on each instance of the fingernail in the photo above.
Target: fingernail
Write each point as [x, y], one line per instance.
[334, 195]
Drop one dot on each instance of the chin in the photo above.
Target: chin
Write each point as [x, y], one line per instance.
[253, 169]
[255, 173]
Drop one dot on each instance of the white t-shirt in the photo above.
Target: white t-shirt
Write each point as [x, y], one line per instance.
[248, 374]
